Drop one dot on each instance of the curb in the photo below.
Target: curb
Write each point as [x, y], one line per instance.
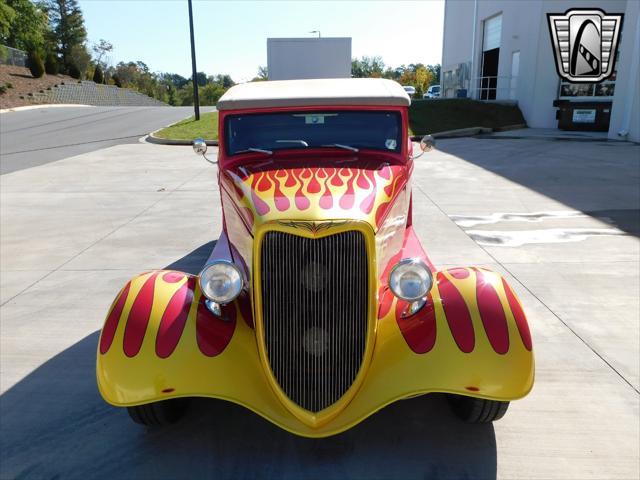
[470, 132]
[44, 105]
[151, 138]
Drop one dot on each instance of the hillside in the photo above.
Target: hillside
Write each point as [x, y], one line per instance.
[61, 89]
[23, 84]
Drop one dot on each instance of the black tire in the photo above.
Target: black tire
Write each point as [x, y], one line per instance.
[477, 410]
[158, 413]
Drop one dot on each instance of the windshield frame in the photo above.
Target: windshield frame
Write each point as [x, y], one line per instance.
[225, 157]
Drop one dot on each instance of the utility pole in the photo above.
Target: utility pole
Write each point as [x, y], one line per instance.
[196, 99]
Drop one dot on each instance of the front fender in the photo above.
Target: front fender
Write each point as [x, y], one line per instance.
[160, 341]
[471, 338]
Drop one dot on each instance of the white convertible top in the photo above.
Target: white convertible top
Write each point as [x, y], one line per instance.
[302, 93]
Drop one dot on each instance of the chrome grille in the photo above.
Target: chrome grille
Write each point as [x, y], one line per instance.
[314, 310]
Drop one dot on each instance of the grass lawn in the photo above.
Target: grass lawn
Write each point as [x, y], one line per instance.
[432, 116]
[425, 116]
[188, 129]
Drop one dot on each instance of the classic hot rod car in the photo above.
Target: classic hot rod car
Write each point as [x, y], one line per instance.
[318, 305]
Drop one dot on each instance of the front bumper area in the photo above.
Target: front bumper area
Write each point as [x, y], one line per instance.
[160, 342]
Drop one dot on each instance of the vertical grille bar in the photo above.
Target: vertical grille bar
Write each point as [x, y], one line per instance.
[314, 309]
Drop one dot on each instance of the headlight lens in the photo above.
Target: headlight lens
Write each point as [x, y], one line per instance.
[410, 279]
[221, 282]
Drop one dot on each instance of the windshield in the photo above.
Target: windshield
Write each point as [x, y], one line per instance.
[378, 130]
[435, 89]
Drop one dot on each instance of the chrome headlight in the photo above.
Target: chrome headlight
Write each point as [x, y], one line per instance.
[221, 281]
[410, 279]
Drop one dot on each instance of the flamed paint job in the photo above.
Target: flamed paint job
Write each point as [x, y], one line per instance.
[471, 338]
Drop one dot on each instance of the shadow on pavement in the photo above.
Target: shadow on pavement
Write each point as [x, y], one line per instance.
[55, 425]
[599, 179]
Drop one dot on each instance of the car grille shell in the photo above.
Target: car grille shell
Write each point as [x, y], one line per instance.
[314, 295]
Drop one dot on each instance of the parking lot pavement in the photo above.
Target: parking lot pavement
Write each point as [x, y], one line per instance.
[74, 231]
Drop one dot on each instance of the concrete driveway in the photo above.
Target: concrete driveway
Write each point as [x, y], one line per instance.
[40, 135]
[74, 231]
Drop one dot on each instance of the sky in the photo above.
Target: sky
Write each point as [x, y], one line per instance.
[231, 36]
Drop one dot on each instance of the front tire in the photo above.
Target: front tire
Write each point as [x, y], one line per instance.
[158, 413]
[477, 410]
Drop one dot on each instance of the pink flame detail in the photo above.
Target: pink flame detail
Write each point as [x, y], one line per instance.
[457, 313]
[111, 324]
[492, 314]
[174, 319]
[519, 316]
[212, 333]
[138, 318]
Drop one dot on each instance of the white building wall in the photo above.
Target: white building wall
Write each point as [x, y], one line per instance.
[299, 58]
[525, 29]
[625, 111]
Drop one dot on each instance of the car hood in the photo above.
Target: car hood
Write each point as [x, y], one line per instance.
[364, 192]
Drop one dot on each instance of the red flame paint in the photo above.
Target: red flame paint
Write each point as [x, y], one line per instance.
[139, 318]
[174, 319]
[457, 313]
[172, 277]
[492, 315]
[459, 273]
[419, 330]
[111, 324]
[519, 316]
[214, 334]
[386, 300]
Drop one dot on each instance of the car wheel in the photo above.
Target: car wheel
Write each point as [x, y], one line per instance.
[477, 410]
[158, 413]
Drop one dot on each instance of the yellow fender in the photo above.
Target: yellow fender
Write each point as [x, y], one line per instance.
[160, 341]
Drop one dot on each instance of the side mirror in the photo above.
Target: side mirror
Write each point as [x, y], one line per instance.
[427, 143]
[199, 146]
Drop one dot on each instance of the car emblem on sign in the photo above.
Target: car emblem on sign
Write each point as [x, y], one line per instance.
[585, 43]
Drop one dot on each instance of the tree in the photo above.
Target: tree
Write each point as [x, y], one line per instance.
[22, 25]
[423, 79]
[98, 75]
[225, 81]
[210, 93]
[178, 81]
[65, 18]
[201, 79]
[51, 64]
[100, 51]
[366, 67]
[7, 17]
[435, 73]
[263, 74]
[185, 95]
[79, 58]
[36, 66]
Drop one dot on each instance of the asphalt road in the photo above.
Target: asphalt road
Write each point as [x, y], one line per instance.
[38, 136]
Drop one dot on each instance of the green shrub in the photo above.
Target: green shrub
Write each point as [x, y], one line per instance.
[74, 71]
[3, 88]
[9, 85]
[4, 54]
[36, 66]
[439, 115]
[51, 65]
[98, 75]
[117, 82]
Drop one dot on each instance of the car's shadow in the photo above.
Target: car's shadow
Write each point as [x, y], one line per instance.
[599, 179]
[55, 425]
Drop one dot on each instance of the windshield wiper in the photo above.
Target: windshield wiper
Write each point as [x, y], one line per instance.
[256, 150]
[345, 147]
